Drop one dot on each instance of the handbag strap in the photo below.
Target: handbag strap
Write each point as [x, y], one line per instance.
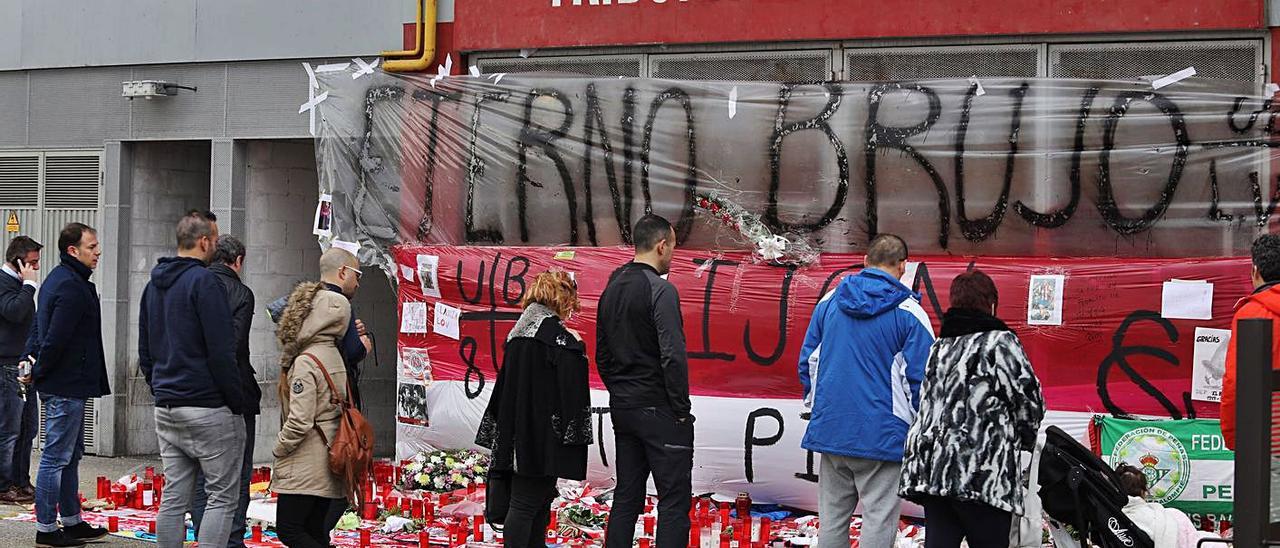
[333, 394]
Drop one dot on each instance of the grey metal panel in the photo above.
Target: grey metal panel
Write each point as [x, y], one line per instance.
[107, 33]
[187, 114]
[10, 33]
[253, 29]
[590, 65]
[13, 108]
[1223, 59]
[920, 63]
[263, 99]
[78, 107]
[767, 66]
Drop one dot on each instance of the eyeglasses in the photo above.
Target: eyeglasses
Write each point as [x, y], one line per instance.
[359, 274]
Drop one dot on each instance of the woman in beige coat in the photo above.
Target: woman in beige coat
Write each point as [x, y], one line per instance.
[310, 327]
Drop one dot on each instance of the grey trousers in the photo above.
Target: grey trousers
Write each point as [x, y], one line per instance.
[842, 482]
[198, 439]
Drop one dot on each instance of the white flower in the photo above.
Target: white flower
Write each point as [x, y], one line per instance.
[439, 482]
[435, 459]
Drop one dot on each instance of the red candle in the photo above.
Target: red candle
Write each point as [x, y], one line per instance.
[119, 497]
[648, 525]
[417, 509]
[393, 504]
[370, 510]
[478, 528]
[424, 539]
[257, 533]
[151, 526]
[151, 472]
[695, 534]
[644, 542]
[104, 487]
[429, 513]
[554, 524]
[766, 529]
[364, 538]
[471, 488]
[113, 524]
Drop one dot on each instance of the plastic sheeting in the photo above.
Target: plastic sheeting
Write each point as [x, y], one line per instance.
[493, 174]
[1012, 167]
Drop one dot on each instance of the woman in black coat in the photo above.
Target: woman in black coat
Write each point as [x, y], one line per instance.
[538, 420]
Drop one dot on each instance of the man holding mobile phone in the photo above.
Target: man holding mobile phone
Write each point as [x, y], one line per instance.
[18, 284]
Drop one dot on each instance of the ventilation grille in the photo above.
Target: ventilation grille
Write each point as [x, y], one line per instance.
[1236, 60]
[588, 66]
[779, 66]
[908, 64]
[71, 182]
[90, 426]
[19, 181]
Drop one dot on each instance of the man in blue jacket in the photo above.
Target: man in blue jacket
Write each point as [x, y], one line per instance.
[187, 352]
[70, 368]
[861, 367]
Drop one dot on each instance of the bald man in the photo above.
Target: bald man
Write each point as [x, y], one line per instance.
[340, 272]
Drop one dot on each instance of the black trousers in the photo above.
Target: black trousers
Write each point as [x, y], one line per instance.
[650, 441]
[950, 520]
[529, 512]
[301, 520]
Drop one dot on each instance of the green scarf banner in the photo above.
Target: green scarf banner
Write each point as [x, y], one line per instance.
[1188, 466]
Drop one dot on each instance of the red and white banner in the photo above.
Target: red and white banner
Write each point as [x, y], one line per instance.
[745, 322]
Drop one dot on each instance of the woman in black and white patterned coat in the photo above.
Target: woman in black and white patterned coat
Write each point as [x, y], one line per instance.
[980, 405]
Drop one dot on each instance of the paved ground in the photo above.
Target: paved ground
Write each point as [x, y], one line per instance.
[14, 534]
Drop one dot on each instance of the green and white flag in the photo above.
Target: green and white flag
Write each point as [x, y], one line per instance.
[1188, 466]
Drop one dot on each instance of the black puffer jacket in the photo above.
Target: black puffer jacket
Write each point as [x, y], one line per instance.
[980, 405]
[538, 421]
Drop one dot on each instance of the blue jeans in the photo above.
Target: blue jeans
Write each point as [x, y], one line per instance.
[10, 424]
[26, 439]
[200, 498]
[58, 479]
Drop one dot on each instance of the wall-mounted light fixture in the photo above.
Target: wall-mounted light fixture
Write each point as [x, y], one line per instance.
[151, 88]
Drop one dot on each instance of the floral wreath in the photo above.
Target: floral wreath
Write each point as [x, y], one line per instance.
[766, 246]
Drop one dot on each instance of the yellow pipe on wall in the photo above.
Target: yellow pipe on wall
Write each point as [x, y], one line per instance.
[427, 37]
[417, 44]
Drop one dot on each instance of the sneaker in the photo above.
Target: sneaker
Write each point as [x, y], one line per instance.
[57, 539]
[84, 531]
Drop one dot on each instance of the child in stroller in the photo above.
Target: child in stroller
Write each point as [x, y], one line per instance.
[1165, 526]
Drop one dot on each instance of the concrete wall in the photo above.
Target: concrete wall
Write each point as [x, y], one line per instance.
[282, 189]
[169, 178]
[43, 34]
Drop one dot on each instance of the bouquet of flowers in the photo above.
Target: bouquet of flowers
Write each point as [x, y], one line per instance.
[444, 471]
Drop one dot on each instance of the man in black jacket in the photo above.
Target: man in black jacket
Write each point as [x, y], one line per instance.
[640, 354]
[228, 263]
[70, 367]
[18, 286]
[187, 352]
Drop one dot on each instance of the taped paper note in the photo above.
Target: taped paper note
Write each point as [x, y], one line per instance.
[350, 247]
[428, 265]
[322, 225]
[406, 272]
[446, 322]
[1209, 363]
[1173, 78]
[909, 273]
[413, 317]
[733, 102]
[1187, 300]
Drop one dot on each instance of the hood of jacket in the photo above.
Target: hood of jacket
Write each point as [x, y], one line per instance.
[224, 271]
[1268, 296]
[327, 321]
[169, 269]
[870, 293]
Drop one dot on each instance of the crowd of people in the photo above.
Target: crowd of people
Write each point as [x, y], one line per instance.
[896, 412]
[194, 321]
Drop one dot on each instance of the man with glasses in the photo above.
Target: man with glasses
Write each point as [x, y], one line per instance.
[187, 352]
[340, 273]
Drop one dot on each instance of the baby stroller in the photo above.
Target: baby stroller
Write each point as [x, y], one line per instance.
[1078, 489]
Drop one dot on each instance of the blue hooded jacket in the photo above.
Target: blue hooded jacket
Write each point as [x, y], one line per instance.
[186, 344]
[861, 367]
